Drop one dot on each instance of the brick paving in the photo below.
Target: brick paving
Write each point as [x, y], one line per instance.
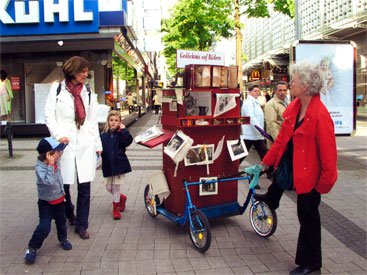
[139, 244]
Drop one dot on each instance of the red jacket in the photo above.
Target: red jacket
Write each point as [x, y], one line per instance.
[314, 147]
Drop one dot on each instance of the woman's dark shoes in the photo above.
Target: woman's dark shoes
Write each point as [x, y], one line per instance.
[304, 270]
[82, 233]
[265, 198]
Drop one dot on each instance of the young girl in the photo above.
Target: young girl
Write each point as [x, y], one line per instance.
[115, 138]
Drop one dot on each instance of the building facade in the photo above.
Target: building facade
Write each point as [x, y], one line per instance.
[37, 37]
[267, 41]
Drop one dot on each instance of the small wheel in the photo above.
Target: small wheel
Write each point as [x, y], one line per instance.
[200, 233]
[149, 202]
[263, 219]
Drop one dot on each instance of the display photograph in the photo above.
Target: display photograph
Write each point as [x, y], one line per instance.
[200, 155]
[237, 149]
[206, 189]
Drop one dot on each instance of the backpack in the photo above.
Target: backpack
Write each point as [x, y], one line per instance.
[59, 90]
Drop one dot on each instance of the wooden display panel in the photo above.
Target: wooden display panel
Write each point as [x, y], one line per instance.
[227, 192]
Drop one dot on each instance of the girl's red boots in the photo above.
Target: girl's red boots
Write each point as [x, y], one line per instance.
[122, 202]
[115, 212]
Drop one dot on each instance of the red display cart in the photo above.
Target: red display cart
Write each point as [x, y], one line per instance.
[209, 113]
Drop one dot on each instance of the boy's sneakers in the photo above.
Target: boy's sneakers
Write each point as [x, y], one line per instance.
[30, 256]
[66, 245]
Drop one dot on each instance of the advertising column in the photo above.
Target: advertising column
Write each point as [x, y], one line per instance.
[336, 64]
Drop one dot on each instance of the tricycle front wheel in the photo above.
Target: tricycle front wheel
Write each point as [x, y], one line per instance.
[263, 219]
[150, 202]
[199, 229]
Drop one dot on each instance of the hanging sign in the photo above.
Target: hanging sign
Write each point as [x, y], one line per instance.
[255, 75]
[15, 83]
[196, 57]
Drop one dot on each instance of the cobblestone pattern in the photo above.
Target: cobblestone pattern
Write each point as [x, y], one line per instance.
[139, 244]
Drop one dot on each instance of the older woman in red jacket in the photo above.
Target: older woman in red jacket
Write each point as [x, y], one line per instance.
[307, 139]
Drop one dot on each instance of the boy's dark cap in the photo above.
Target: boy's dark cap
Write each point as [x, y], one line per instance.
[48, 144]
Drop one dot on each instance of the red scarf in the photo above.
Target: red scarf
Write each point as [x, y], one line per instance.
[75, 90]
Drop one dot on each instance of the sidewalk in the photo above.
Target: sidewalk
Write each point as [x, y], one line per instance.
[140, 244]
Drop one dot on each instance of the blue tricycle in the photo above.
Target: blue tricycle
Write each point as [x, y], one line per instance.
[263, 218]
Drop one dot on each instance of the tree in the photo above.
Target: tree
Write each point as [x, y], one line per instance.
[260, 8]
[197, 24]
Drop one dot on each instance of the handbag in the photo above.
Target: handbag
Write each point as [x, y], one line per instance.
[284, 174]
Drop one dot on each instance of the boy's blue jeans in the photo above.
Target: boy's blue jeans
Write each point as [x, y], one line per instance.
[47, 212]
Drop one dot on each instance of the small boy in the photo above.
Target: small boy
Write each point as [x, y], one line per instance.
[50, 197]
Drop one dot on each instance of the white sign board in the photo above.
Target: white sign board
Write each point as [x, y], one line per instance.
[197, 57]
[40, 96]
[335, 62]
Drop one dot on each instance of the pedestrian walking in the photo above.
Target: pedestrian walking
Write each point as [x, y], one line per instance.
[157, 104]
[6, 95]
[115, 164]
[251, 136]
[50, 197]
[130, 103]
[71, 117]
[274, 109]
[305, 156]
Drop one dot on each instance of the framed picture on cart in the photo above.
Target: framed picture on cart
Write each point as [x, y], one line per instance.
[237, 149]
[200, 154]
[207, 189]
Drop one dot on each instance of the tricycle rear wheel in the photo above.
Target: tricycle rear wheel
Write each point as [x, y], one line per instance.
[150, 202]
[263, 219]
[199, 231]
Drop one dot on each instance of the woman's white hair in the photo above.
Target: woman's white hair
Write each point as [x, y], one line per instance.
[309, 75]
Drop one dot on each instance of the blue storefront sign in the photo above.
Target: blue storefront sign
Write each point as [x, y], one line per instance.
[38, 17]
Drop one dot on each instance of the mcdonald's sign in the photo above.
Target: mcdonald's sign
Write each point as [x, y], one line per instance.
[255, 75]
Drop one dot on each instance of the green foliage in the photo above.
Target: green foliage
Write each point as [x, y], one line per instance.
[121, 69]
[285, 6]
[244, 57]
[256, 8]
[259, 8]
[198, 24]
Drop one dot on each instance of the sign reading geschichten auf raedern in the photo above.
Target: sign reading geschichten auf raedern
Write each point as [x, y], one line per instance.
[197, 57]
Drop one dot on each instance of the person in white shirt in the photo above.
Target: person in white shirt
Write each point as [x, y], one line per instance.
[250, 135]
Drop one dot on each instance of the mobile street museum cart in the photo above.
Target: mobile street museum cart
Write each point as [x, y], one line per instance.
[200, 133]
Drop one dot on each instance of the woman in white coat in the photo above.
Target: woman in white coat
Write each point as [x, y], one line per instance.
[70, 116]
[250, 135]
[251, 107]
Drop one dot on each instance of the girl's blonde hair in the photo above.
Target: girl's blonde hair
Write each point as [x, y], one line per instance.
[111, 113]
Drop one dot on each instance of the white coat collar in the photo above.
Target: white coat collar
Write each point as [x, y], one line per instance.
[250, 97]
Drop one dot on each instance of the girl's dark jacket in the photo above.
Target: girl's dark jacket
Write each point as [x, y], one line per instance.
[114, 159]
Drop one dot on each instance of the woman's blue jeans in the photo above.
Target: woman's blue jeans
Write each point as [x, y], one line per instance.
[82, 205]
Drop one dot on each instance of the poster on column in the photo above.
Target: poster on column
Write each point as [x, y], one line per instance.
[336, 64]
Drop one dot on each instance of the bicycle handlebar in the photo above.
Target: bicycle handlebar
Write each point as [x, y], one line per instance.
[233, 175]
[239, 174]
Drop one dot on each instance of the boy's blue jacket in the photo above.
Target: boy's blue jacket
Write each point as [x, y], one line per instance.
[49, 182]
[114, 159]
